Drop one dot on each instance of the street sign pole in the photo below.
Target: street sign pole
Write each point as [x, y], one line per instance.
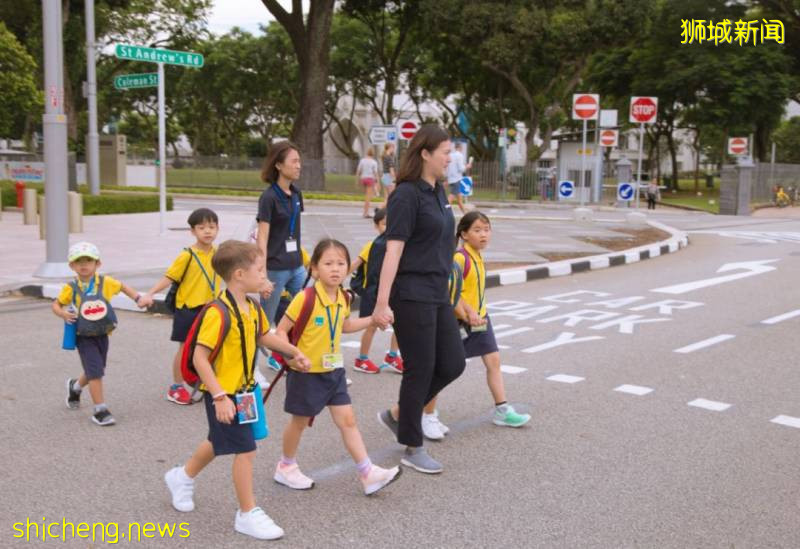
[639, 168]
[93, 138]
[54, 124]
[582, 179]
[162, 153]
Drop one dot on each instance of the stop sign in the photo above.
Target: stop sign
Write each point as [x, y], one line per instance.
[585, 106]
[644, 110]
[408, 129]
[608, 138]
[737, 145]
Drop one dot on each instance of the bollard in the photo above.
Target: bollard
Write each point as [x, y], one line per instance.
[19, 187]
[42, 217]
[75, 207]
[29, 207]
[584, 215]
[636, 218]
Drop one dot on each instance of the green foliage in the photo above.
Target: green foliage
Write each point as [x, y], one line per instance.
[787, 141]
[20, 95]
[106, 204]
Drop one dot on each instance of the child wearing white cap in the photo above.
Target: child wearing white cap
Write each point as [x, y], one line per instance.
[86, 302]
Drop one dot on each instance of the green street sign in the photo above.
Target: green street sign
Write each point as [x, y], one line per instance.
[155, 55]
[128, 81]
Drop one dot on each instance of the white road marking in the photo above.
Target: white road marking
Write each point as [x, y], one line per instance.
[705, 343]
[751, 268]
[564, 378]
[504, 346]
[712, 405]
[498, 335]
[505, 368]
[637, 390]
[781, 318]
[351, 344]
[788, 421]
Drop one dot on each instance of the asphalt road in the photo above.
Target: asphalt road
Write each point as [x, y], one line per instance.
[665, 415]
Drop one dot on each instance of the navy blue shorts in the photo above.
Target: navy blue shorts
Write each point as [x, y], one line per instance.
[93, 351]
[366, 304]
[308, 394]
[229, 438]
[480, 343]
[182, 321]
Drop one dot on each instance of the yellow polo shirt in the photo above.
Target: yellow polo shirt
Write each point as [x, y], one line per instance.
[194, 289]
[470, 292]
[111, 287]
[228, 366]
[315, 340]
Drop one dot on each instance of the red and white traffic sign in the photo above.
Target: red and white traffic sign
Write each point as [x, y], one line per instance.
[644, 110]
[609, 138]
[408, 129]
[585, 106]
[737, 146]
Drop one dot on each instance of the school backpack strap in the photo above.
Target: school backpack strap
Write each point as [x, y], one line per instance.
[467, 262]
[188, 371]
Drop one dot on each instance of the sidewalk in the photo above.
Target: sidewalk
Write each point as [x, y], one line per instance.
[133, 251]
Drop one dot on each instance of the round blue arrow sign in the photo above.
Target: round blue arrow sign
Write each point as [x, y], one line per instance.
[565, 189]
[625, 191]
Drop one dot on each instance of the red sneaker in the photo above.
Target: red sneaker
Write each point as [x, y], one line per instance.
[366, 366]
[393, 363]
[179, 395]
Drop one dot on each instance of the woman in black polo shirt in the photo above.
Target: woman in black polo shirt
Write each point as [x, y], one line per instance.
[278, 219]
[412, 293]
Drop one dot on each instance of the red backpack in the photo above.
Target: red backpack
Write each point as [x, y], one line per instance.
[188, 371]
[309, 295]
[467, 261]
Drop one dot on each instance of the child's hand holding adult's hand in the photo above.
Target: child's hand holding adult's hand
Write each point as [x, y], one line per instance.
[145, 300]
[383, 316]
[225, 410]
[475, 320]
[266, 291]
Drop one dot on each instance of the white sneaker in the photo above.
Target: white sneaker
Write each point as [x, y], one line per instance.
[442, 427]
[293, 477]
[379, 477]
[182, 490]
[256, 523]
[430, 427]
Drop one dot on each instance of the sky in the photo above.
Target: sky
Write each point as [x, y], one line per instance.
[245, 14]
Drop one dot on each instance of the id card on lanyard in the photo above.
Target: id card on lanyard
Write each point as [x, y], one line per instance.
[333, 360]
[293, 209]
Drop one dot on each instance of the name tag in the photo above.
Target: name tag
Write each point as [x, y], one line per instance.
[481, 328]
[331, 361]
[246, 409]
[291, 245]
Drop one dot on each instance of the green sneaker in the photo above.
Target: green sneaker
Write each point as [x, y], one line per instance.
[510, 418]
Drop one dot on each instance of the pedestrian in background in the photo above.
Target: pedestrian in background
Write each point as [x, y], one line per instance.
[367, 174]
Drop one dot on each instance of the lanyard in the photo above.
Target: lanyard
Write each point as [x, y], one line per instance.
[248, 372]
[89, 286]
[478, 276]
[292, 209]
[212, 283]
[332, 325]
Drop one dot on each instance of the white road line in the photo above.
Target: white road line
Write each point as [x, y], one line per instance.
[504, 346]
[788, 421]
[496, 327]
[351, 344]
[512, 369]
[705, 343]
[637, 390]
[781, 318]
[709, 405]
[564, 378]
[498, 335]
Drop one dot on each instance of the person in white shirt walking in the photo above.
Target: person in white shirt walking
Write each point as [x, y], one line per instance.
[367, 173]
[455, 171]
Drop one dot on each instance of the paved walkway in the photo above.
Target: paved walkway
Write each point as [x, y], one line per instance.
[132, 249]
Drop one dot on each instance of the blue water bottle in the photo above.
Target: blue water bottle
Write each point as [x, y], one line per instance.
[70, 333]
[260, 428]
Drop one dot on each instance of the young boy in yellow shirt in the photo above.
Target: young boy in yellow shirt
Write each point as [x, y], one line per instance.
[197, 285]
[242, 268]
[88, 304]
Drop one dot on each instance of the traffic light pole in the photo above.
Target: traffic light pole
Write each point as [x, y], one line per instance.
[639, 168]
[54, 124]
[583, 163]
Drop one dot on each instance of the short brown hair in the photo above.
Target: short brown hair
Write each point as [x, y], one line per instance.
[277, 155]
[232, 255]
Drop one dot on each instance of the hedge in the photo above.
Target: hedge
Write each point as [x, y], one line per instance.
[98, 205]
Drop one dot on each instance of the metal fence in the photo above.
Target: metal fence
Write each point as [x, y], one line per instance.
[767, 176]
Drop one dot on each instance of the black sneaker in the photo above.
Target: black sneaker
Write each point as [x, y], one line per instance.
[103, 418]
[73, 396]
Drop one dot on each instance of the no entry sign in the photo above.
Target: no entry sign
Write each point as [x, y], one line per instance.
[585, 106]
[608, 138]
[644, 110]
[408, 129]
[737, 146]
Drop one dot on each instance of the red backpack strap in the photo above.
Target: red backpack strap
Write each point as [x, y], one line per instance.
[467, 262]
[224, 327]
[309, 295]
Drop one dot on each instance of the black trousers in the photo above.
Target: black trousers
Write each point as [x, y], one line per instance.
[651, 203]
[433, 356]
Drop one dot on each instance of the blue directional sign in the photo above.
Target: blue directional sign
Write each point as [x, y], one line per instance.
[566, 189]
[625, 192]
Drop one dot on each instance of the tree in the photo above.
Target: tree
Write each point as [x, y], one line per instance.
[310, 38]
[21, 96]
[787, 141]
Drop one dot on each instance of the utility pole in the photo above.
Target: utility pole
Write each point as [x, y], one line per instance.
[93, 139]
